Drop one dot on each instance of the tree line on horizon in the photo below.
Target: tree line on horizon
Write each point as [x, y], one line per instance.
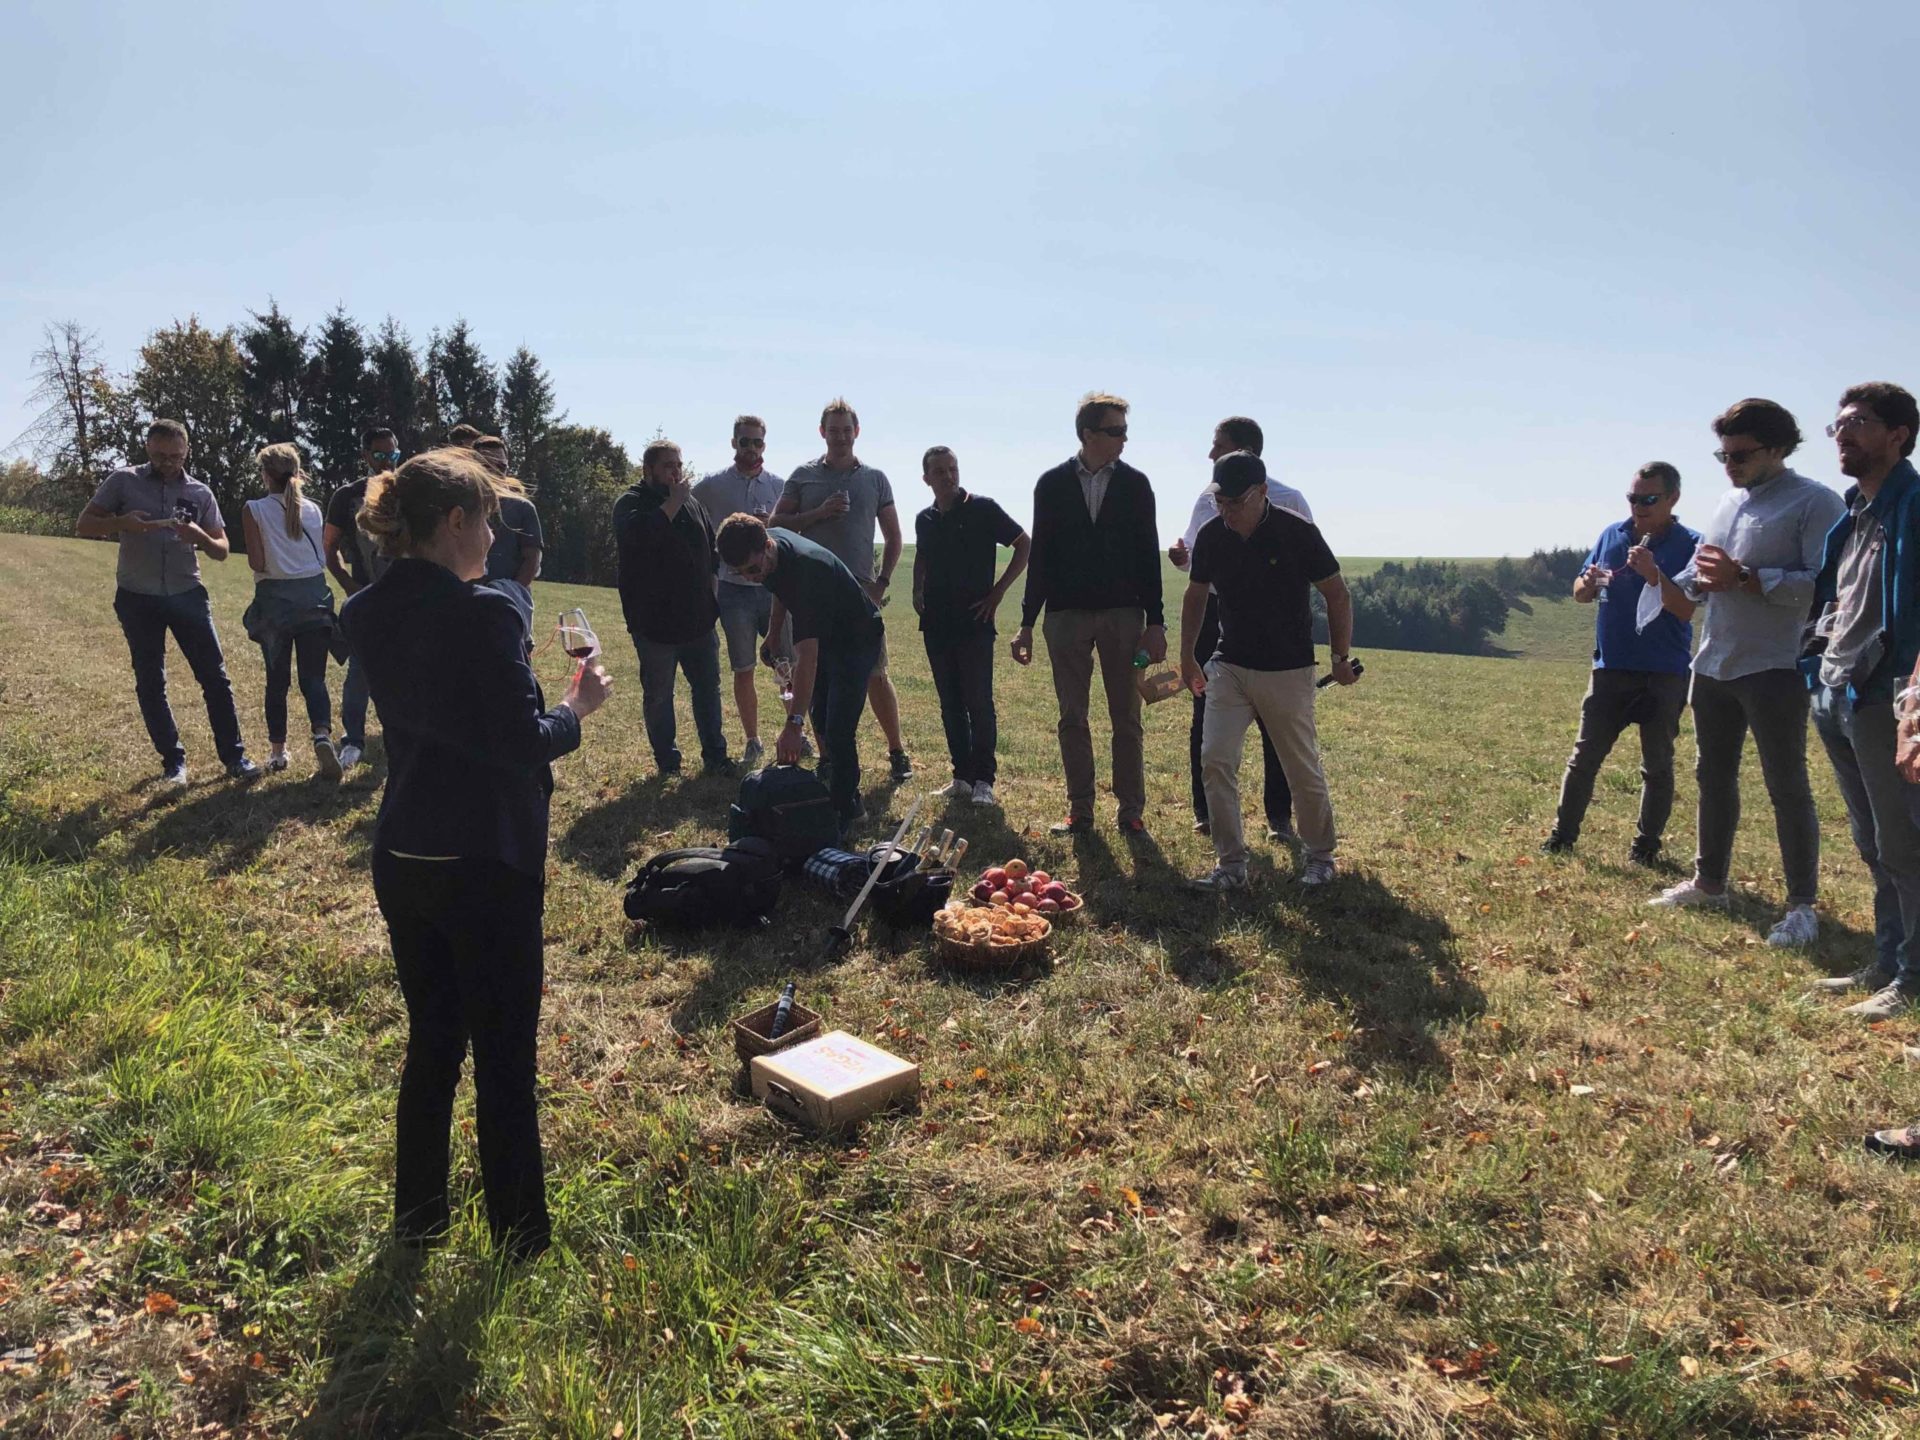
[269, 381]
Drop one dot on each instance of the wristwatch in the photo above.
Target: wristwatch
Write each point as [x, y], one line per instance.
[796, 719]
[1746, 574]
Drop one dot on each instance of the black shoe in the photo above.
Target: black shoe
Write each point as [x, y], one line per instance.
[672, 768]
[243, 769]
[1202, 827]
[900, 766]
[1072, 825]
[1902, 1144]
[1556, 844]
[1644, 852]
[1134, 826]
[724, 769]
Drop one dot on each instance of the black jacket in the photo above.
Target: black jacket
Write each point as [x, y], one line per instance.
[666, 567]
[468, 734]
[1080, 564]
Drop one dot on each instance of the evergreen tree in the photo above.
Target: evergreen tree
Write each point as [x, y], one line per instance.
[274, 354]
[196, 375]
[398, 392]
[586, 469]
[526, 410]
[340, 399]
[466, 391]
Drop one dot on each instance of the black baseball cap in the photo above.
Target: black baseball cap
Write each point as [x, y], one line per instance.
[1235, 474]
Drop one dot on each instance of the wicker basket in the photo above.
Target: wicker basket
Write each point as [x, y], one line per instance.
[994, 957]
[750, 1030]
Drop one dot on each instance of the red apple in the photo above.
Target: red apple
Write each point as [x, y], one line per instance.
[982, 890]
[1054, 890]
[996, 877]
[1048, 906]
[1040, 879]
[1016, 868]
[1000, 897]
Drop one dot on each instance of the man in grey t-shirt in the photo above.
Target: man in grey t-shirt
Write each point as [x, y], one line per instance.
[835, 502]
[745, 487]
[164, 519]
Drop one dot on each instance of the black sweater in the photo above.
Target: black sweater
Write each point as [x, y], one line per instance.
[666, 567]
[469, 736]
[1078, 563]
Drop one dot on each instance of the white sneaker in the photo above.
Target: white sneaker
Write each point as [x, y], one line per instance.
[957, 790]
[1220, 879]
[1885, 1003]
[983, 793]
[1798, 928]
[349, 756]
[1688, 895]
[1317, 872]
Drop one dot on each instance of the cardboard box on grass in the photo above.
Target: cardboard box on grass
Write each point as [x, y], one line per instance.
[831, 1082]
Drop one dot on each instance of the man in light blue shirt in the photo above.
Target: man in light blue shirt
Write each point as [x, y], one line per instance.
[745, 487]
[1754, 571]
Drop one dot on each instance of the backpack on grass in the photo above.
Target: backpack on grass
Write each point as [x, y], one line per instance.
[703, 885]
[789, 808]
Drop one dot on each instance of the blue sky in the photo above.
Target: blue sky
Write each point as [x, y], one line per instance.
[1469, 264]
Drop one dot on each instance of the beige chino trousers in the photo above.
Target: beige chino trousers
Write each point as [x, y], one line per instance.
[1283, 699]
[1074, 637]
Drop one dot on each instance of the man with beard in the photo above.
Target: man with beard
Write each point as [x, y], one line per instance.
[1755, 571]
[1866, 643]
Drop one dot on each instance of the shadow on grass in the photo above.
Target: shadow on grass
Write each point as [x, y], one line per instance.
[393, 1366]
[611, 838]
[229, 825]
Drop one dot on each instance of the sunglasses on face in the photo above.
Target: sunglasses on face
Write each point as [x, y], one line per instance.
[1857, 420]
[741, 442]
[1737, 457]
[1635, 498]
[1112, 432]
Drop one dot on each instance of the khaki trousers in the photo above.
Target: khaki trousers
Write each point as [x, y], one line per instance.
[1283, 699]
[1073, 639]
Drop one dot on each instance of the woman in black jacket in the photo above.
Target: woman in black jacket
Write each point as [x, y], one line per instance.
[459, 853]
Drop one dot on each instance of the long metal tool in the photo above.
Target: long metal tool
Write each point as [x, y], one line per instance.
[839, 935]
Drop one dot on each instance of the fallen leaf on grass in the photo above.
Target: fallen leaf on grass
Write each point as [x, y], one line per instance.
[1027, 1325]
[161, 1303]
[1614, 1362]
[1689, 1367]
[1578, 1091]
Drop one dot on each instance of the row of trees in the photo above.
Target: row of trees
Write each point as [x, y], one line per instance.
[269, 381]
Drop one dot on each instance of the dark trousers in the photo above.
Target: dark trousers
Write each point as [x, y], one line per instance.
[963, 679]
[467, 946]
[307, 650]
[1860, 741]
[1773, 705]
[700, 659]
[839, 696]
[1615, 700]
[353, 704]
[1276, 797]
[147, 620]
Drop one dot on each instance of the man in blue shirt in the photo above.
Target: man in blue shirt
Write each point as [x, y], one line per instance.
[1642, 653]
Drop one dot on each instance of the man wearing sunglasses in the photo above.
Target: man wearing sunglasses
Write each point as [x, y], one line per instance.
[1640, 660]
[356, 564]
[1095, 570]
[1753, 575]
[745, 487]
[1866, 641]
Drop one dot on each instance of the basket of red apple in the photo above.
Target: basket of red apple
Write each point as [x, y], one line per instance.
[1026, 891]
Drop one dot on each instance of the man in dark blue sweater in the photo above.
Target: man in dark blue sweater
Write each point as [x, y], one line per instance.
[1095, 570]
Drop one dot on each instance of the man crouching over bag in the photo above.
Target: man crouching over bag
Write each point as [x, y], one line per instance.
[836, 643]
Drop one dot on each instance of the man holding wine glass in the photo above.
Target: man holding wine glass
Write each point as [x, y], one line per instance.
[164, 520]
[667, 572]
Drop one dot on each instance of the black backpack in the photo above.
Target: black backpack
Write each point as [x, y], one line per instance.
[789, 808]
[703, 885]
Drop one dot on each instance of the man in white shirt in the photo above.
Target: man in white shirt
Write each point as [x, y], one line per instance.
[1236, 432]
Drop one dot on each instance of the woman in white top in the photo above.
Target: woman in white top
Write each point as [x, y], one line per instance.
[291, 617]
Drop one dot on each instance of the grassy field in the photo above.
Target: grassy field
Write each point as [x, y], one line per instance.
[1467, 1144]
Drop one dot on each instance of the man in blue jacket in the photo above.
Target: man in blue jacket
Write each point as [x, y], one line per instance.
[1866, 639]
[1642, 653]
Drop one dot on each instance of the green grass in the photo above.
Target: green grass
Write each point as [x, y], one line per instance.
[1314, 1163]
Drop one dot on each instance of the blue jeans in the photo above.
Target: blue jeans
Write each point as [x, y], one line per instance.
[701, 661]
[307, 651]
[353, 705]
[147, 620]
[1880, 811]
[963, 679]
[839, 699]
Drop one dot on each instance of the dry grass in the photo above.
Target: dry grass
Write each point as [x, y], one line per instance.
[1467, 1144]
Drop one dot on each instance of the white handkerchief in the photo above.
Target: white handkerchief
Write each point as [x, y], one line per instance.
[1648, 609]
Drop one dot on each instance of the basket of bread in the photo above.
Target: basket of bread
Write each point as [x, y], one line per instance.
[989, 937]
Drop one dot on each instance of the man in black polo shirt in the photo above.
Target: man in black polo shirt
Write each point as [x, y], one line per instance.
[836, 644]
[1260, 561]
[667, 572]
[955, 595]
